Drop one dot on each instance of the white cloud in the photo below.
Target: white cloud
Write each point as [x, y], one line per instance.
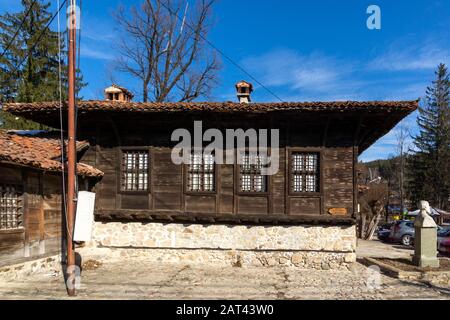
[93, 53]
[405, 57]
[305, 77]
[284, 67]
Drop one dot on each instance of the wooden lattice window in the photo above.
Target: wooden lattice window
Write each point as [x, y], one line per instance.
[251, 178]
[305, 172]
[201, 173]
[11, 207]
[135, 167]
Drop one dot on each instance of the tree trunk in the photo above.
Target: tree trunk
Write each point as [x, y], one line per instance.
[145, 93]
[373, 225]
[362, 228]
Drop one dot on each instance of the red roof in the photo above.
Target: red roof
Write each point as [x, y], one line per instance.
[122, 106]
[40, 150]
[377, 117]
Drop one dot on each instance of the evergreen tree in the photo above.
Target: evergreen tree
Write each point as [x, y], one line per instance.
[37, 78]
[429, 165]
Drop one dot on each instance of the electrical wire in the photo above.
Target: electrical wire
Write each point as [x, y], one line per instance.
[18, 29]
[237, 65]
[63, 160]
[77, 70]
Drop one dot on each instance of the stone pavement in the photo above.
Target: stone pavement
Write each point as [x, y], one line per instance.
[378, 249]
[140, 279]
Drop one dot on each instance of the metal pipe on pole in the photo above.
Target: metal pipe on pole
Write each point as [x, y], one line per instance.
[71, 153]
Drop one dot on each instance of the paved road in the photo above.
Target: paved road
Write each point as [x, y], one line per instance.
[139, 279]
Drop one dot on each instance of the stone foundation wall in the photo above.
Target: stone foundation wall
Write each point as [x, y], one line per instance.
[50, 265]
[319, 247]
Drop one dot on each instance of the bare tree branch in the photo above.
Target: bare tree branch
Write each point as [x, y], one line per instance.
[166, 51]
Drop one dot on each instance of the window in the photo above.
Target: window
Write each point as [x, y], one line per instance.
[305, 172]
[251, 178]
[201, 173]
[135, 167]
[10, 207]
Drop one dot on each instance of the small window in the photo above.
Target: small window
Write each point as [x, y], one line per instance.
[305, 172]
[135, 167]
[110, 96]
[201, 173]
[116, 96]
[251, 178]
[10, 207]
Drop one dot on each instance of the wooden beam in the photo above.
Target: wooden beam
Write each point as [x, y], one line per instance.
[325, 131]
[203, 218]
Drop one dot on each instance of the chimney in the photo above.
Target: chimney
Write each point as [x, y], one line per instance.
[116, 93]
[244, 90]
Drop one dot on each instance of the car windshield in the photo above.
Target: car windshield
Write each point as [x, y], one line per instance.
[445, 234]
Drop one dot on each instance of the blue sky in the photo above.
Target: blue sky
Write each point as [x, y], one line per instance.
[301, 50]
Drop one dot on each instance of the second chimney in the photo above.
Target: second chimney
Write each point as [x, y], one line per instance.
[244, 90]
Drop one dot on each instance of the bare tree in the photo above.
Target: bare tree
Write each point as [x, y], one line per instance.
[373, 201]
[402, 150]
[164, 46]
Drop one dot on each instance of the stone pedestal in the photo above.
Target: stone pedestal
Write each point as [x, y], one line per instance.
[425, 242]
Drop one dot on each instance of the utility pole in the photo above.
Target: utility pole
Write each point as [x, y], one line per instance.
[71, 154]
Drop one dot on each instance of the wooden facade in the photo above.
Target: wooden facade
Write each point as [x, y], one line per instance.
[38, 231]
[167, 198]
[31, 190]
[337, 132]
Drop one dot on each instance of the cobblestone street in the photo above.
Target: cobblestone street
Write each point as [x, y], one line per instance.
[138, 279]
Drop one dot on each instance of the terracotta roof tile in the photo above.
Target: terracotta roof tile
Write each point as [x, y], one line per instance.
[39, 150]
[342, 106]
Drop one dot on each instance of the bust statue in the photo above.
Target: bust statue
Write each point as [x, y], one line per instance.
[424, 219]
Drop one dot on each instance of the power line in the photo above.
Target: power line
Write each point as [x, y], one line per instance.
[18, 29]
[62, 141]
[40, 37]
[237, 65]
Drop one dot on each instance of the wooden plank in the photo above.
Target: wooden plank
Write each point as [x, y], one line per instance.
[11, 239]
[304, 206]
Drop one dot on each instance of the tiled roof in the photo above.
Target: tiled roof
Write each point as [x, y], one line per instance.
[340, 106]
[40, 150]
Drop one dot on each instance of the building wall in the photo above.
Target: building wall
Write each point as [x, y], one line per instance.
[320, 247]
[303, 246]
[40, 234]
[167, 191]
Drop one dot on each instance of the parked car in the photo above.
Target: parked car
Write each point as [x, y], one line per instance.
[443, 229]
[444, 246]
[444, 240]
[384, 231]
[440, 230]
[402, 231]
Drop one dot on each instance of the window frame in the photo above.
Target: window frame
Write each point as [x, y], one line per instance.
[200, 193]
[237, 178]
[290, 173]
[123, 150]
[21, 207]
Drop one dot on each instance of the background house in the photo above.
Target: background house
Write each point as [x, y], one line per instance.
[31, 223]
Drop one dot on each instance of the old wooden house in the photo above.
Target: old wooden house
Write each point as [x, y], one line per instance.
[30, 194]
[305, 213]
